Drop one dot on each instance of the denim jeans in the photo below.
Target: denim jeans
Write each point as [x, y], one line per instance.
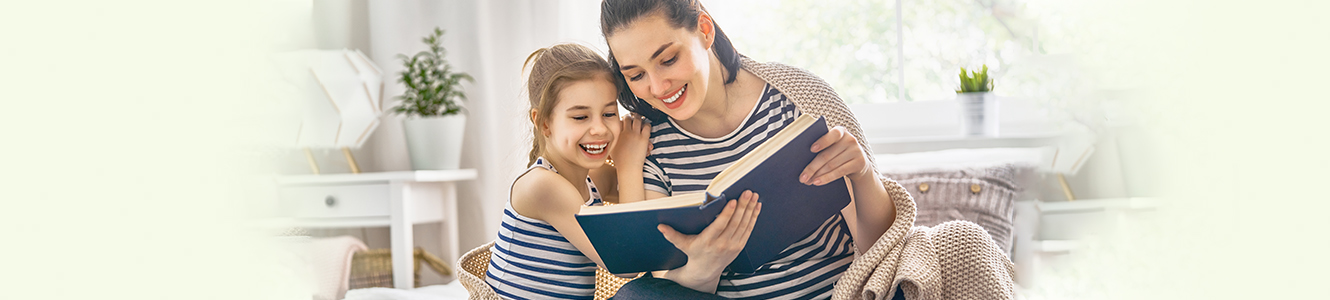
[656, 288]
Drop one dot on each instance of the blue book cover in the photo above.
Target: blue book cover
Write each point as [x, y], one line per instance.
[626, 238]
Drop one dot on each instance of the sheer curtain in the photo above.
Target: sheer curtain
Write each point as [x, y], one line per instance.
[490, 40]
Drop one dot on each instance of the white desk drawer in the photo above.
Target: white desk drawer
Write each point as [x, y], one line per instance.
[336, 201]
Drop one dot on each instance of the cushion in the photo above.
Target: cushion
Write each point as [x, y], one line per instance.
[983, 195]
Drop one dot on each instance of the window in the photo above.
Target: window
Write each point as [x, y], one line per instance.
[909, 50]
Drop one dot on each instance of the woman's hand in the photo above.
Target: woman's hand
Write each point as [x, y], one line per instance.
[838, 155]
[710, 251]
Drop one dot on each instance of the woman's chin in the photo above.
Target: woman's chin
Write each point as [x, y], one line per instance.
[680, 114]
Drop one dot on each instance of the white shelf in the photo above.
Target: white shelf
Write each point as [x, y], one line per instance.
[1048, 246]
[1132, 203]
[396, 200]
[412, 176]
[896, 145]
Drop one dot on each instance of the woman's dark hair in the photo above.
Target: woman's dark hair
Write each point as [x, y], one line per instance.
[615, 14]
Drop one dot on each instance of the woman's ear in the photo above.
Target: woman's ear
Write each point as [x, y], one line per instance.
[708, 29]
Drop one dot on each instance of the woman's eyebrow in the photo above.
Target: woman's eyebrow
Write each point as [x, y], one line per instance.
[653, 56]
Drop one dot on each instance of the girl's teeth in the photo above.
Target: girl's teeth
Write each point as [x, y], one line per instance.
[594, 149]
[671, 99]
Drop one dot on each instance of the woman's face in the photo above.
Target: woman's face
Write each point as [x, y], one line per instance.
[584, 123]
[668, 67]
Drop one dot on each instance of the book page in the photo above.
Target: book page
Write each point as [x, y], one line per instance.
[757, 156]
[691, 199]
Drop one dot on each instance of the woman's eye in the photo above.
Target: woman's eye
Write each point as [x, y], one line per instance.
[670, 61]
[635, 77]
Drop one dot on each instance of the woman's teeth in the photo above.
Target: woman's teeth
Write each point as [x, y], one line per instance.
[594, 148]
[671, 99]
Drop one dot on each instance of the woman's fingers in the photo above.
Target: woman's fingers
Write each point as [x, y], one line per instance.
[720, 223]
[680, 240]
[735, 222]
[749, 231]
[841, 160]
[827, 160]
[749, 219]
[829, 140]
[833, 135]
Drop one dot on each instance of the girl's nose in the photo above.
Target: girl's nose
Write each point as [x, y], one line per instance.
[600, 128]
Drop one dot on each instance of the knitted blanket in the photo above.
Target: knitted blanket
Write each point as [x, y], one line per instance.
[954, 260]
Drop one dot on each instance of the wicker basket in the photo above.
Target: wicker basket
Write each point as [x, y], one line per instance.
[475, 262]
[374, 267]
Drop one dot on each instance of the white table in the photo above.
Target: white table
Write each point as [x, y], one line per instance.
[394, 199]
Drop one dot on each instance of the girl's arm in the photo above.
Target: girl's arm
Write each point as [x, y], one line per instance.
[629, 153]
[839, 155]
[546, 196]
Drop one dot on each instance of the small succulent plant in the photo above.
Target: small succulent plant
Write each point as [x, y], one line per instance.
[975, 81]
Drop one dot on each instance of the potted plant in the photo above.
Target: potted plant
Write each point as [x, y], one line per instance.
[979, 109]
[434, 121]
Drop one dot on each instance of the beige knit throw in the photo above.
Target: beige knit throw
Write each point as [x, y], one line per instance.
[954, 260]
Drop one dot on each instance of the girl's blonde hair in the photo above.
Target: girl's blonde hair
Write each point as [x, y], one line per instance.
[553, 69]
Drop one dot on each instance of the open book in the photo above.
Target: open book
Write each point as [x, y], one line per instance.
[627, 240]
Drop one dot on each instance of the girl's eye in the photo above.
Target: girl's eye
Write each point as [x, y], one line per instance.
[670, 61]
[579, 118]
[611, 115]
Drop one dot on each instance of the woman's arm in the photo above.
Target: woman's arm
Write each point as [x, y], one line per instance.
[839, 155]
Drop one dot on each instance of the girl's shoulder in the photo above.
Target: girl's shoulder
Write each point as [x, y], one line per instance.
[541, 191]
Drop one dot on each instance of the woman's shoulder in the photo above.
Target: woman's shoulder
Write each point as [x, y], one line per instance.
[799, 84]
[540, 191]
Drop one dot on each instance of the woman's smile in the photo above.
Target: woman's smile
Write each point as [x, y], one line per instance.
[676, 100]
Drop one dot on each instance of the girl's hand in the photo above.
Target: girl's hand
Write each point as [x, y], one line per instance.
[710, 251]
[838, 155]
[633, 144]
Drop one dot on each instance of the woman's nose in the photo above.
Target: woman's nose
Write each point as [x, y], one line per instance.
[659, 88]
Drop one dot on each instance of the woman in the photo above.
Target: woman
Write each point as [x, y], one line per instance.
[709, 106]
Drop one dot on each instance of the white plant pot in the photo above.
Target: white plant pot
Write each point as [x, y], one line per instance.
[435, 143]
[979, 114]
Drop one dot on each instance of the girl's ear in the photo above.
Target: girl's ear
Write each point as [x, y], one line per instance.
[535, 121]
[708, 29]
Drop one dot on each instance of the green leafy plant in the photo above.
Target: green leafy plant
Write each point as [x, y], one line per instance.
[975, 81]
[432, 88]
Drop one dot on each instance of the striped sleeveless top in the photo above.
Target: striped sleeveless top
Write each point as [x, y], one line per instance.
[531, 260]
[682, 162]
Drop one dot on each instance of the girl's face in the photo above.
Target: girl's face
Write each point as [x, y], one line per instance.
[584, 123]
[668, 67]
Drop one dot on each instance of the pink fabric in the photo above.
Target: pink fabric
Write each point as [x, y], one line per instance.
[331, 260]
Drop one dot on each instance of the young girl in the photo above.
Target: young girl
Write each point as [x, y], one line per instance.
[541, 251]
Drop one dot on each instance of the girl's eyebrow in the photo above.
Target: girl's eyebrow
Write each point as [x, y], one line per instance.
[578, 107]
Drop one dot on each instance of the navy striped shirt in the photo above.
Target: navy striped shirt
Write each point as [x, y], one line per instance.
[531, 260]
[682, 162]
